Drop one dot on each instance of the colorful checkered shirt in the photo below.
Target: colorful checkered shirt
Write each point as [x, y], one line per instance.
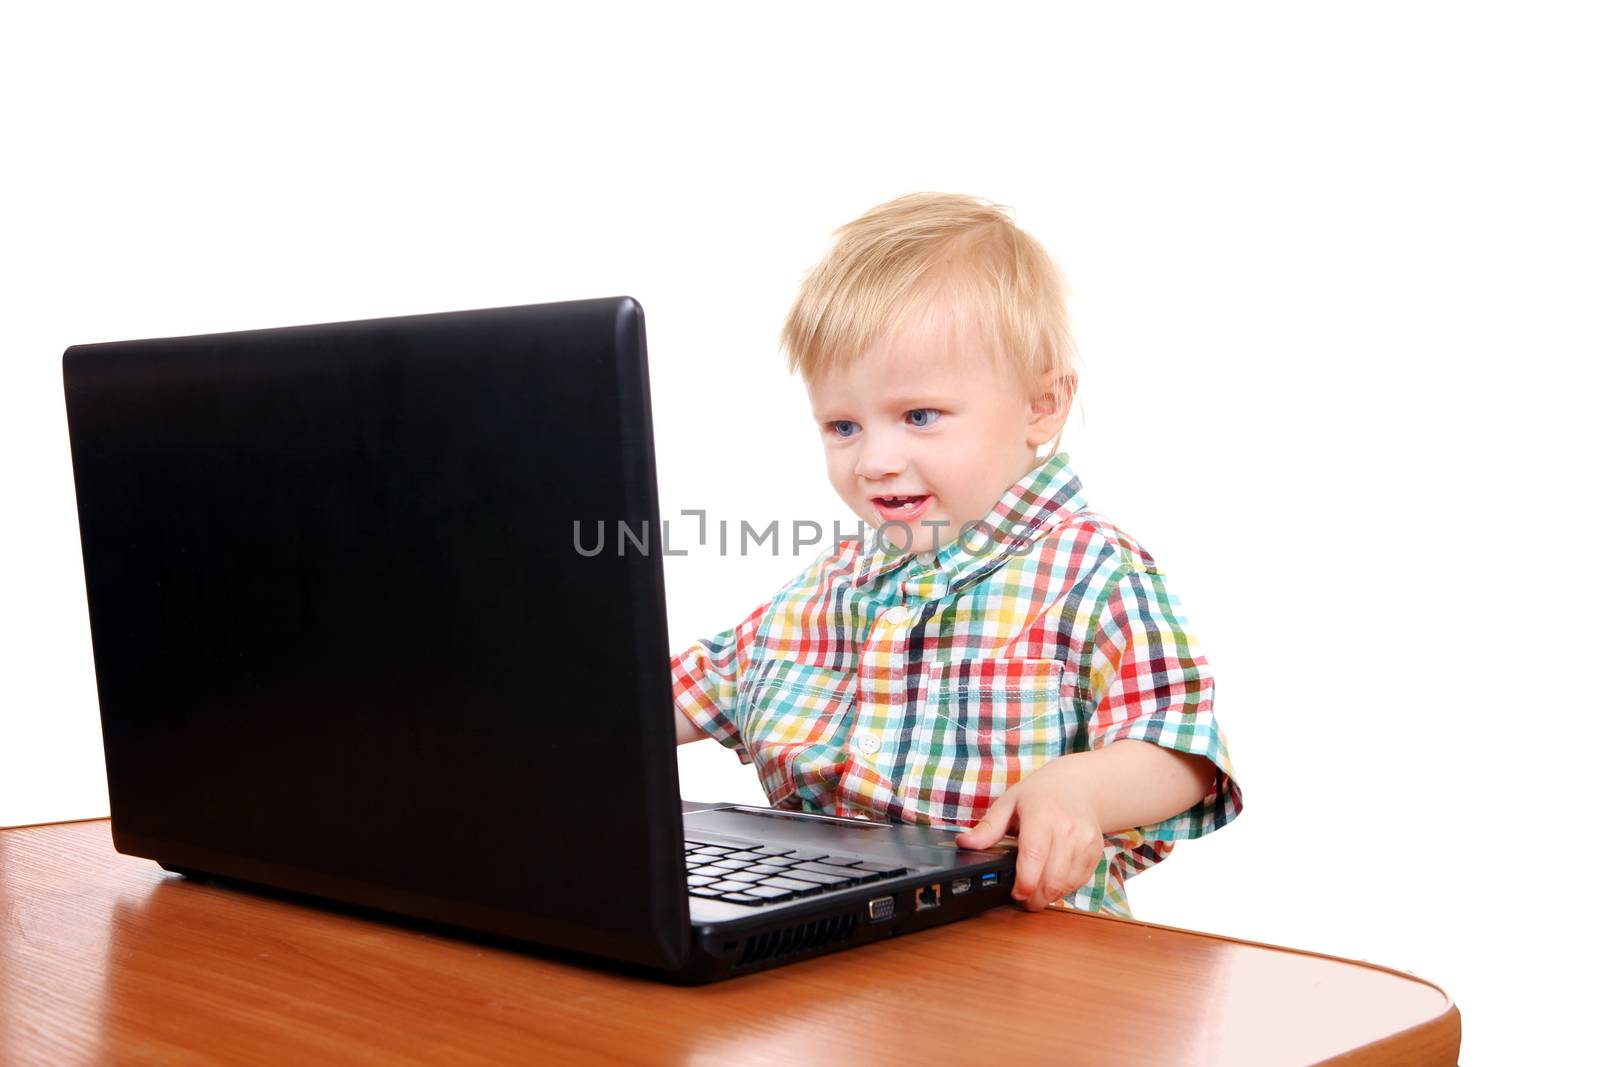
[920, 688]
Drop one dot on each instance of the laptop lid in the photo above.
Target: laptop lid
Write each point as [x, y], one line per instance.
[343, 641]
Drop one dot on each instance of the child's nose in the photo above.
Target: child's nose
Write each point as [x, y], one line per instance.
[879, 459]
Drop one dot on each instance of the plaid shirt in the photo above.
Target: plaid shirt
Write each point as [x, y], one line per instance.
[920, 688]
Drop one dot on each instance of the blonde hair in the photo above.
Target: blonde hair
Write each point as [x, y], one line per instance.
[940, 256]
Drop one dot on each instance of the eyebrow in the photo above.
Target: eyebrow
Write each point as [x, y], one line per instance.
[909, 402]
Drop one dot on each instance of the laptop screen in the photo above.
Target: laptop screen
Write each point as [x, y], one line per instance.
[343, 639]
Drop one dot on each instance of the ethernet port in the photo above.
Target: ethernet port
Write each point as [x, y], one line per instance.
[928, 897]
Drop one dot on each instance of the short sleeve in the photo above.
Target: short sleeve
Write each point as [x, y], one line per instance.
[1149, 682]
[705, 680]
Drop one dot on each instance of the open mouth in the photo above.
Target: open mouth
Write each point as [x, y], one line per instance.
[907, 509]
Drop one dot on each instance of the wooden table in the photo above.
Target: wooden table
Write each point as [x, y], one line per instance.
[108, 959]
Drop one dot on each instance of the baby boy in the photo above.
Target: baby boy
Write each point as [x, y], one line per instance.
[995, 656]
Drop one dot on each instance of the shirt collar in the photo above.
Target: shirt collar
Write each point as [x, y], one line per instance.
[1035, 504]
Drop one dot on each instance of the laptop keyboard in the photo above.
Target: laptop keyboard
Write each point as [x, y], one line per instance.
[770, 874]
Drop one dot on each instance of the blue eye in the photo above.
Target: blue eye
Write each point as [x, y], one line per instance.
[922, 416]
[843, 427]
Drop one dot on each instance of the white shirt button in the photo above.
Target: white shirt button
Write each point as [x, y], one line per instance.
[866, 743]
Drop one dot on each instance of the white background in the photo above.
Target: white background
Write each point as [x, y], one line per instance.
[1334, 281]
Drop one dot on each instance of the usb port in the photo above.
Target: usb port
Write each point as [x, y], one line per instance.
[928, 897]
[880, 909]
[959, 886]
[990, 880]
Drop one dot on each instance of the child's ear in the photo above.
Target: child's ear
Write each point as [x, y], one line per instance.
[1048, 403]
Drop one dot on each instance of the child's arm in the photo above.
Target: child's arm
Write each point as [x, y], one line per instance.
[705, 684]
[687, 730]
[1156, 758]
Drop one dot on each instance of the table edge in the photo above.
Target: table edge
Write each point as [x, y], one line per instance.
[1449, 1002]
[54, 822]
[1446, 1022]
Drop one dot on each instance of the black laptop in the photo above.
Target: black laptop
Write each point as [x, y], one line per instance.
[346, 648]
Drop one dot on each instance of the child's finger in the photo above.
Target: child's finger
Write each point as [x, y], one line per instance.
[1088, 862]
[1033, 851]
[989, 829]
[1058, 870]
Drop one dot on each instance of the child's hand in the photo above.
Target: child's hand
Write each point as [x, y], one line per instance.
[1059, 841]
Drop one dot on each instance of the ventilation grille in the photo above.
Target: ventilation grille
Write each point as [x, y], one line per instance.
[798, 938]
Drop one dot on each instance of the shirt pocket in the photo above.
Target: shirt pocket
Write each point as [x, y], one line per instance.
[788, 704]
[983, 726]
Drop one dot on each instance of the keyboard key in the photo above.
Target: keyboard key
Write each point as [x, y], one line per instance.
[840, 861]
[793, 884]
[806, 857]
[743, 876]
[779, 861]
[704, 891]
[728, 887]
[819, 879]
[765, 868]
[824, 868]
[770, 892]
[740, 898]
[773, 850]
[753, 857]
[728, 864]
[714, 850]
[701, 879]
[882, 868]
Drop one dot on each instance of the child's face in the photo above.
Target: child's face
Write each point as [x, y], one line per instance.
[928, 416]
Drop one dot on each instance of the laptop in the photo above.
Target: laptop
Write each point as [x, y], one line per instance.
[345, 647]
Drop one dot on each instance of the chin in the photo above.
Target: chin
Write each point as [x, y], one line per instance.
[921, 536]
